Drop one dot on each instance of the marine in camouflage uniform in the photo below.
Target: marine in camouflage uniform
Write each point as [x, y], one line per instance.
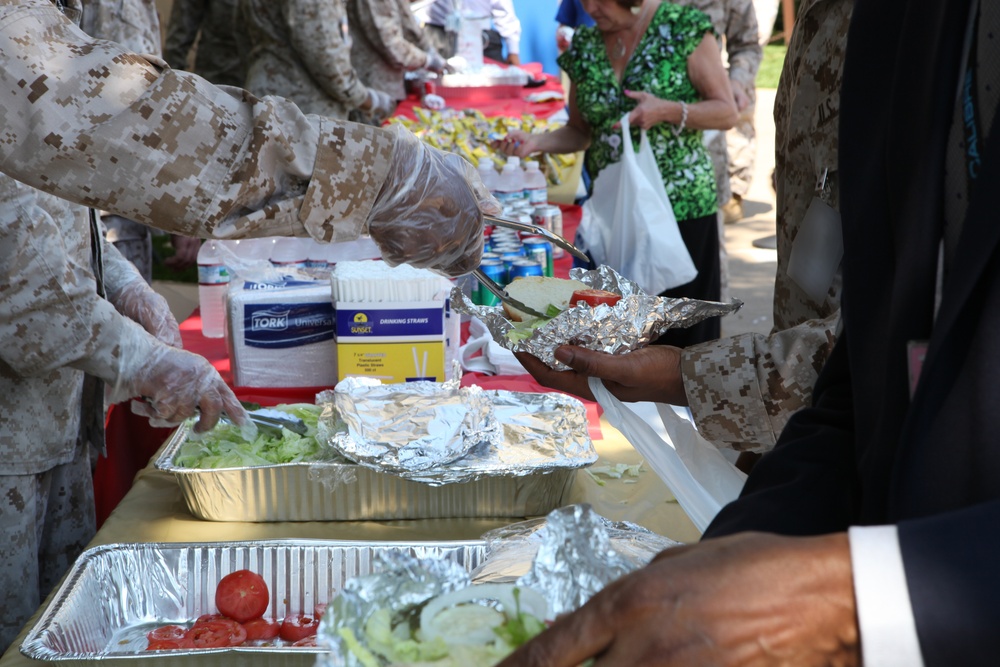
[743, 389]
[53, 325]
[213, 24]
[300, 49]
[386, 41]
[135, 25]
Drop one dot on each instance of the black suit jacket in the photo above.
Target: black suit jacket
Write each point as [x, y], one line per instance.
[866, 453]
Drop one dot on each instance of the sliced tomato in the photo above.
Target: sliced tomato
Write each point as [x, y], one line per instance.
[306, 641]
[173, 633]
[242, 595]
[167, 644]
[594, 297]
[298, 626]
[261, 628]
[319, 609]
[217, 634]
[205, 618]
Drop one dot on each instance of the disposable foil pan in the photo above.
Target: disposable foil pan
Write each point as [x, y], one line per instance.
[115, 594]
[301, 492]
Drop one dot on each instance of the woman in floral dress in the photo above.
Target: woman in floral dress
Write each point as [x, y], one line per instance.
[660, 63]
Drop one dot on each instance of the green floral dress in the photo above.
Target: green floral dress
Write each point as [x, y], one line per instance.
[658, 66]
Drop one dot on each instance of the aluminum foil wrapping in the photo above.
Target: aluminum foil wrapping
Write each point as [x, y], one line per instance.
[569, 555]
[633, 322]
[528, 433]
[576, 553]
[411, 427]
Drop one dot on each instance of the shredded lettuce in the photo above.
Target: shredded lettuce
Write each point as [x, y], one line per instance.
[224, 446]
[523, 330]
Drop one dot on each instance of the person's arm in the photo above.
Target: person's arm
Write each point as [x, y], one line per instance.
[186, 17]
[574, 136]
[507, 24]
[743, 389]
[314, 27]
[743, 50]
[381, 22]
[168, 149]
[748, 599]
[716, 109]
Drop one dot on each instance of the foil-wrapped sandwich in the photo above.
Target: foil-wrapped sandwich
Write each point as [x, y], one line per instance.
[596, 322]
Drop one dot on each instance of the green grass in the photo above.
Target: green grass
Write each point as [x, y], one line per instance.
[770, 66]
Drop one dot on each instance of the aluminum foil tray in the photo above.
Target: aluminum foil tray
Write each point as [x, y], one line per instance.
[115, 594]
[297, 492]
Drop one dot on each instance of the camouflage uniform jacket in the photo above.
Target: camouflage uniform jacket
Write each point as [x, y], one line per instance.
[735, 21]
[167, 148]
[386, 41]
[53, 325]
[218, 56]
[299, 49]
[743, 389]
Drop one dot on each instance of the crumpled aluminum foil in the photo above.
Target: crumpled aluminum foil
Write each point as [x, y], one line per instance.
[412, 426]
[576, 553]
[633, 322]
[525, 433]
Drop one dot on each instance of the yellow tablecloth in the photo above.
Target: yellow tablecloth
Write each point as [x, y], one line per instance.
[154, 511]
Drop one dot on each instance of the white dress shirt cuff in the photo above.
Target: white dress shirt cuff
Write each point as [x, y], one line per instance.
[885, 615]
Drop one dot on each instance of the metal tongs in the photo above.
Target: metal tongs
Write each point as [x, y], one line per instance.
[500, 292]
[270, 422]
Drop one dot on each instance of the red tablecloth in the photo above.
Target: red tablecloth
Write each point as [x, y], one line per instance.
[512, 107]
[131, 441]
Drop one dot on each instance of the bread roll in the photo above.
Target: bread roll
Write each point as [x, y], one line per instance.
[539, 292]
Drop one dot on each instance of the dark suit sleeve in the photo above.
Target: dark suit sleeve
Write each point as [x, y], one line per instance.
[805, 485]
[951, 563]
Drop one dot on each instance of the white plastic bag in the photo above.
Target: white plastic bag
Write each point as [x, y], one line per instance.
[629, 224]
[697, 473]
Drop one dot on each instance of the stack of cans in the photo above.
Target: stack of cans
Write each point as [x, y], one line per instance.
[508, 257]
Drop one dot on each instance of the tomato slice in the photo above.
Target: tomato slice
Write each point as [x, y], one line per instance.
[298, 626]
[217, 634]
[205, 618]
[167, 644]
[170, 633]
[306, 641]
[242, 595]
[594, 297]
[261, 628]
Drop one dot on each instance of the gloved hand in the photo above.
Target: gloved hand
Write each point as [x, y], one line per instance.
[175, 384]
[429, 212]
[140, 303]
[380, 105]
[132, 296]
[435, 62]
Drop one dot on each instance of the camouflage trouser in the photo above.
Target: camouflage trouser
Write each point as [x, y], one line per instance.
[46, 520]
[741, 145]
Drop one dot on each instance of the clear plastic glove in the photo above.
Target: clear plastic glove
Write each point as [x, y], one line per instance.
[140, 303]
[380, 105]
[435, 62]
[174, 384]
[429, 213]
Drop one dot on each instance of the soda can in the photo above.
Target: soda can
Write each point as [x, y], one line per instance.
[509, 257]
[540, 250]
[542, 216]
[490, 255]
[523, 268]
[497, 272]
[553, 216]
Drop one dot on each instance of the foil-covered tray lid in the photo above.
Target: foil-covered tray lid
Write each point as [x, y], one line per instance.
[512, 433]
[575, 553]
[635, 321]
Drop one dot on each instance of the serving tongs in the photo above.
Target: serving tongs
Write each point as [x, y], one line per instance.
[538, 231]
[270, 422]
[500, 292]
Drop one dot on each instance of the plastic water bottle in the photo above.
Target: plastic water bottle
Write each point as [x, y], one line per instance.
[488, 174]
[213, 279]
[510, 184]
[289, 253]
[535, 185]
